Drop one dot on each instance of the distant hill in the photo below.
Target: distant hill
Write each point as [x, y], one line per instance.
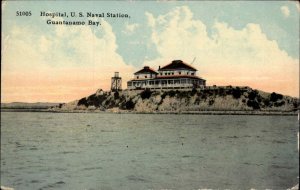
[24, 105]
[185, 100]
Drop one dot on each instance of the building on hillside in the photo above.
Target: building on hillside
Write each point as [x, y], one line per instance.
[175, 75]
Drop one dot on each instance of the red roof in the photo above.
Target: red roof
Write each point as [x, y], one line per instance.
[146, 69]
[176, 65]
[171, 77]
[178, 76]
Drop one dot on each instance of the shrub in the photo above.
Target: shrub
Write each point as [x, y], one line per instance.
[295, 104]
[197, 101]
[96, 100]
[266, 102]
[92, 100]
[203, 96]
[163, 95]
[129, 105]
[116, 95]
[236, 93]
[146, 94]
[212, 92]
[107, 102]
[111, 104]
[122, 98]
[278, 104]
[194, 91]
[252, 95]
[221, 92]
[253, 103]
[274, 97]
[258, 98]
[211, 102]
[183, 94]
[172, 93]
[82, 101]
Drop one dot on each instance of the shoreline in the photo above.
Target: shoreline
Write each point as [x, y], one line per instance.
[207, 112]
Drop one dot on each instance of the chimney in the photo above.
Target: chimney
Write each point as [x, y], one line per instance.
[158, 67]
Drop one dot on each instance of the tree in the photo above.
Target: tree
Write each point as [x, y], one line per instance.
[236, 93]
[274, 97]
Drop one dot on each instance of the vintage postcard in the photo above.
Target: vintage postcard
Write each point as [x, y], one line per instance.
[149, 95]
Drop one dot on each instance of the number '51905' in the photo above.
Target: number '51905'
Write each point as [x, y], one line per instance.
[23, 13]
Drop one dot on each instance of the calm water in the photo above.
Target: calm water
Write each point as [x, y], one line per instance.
[127, 151]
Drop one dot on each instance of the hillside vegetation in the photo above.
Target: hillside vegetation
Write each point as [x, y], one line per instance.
[208, 99]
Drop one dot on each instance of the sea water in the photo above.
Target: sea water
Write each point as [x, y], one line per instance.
[147, 151]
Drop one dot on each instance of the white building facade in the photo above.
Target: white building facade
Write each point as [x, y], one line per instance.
[175, 75]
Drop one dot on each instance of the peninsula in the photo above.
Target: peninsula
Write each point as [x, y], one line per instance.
[210, 100]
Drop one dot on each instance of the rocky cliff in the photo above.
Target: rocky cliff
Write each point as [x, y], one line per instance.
[208, 99]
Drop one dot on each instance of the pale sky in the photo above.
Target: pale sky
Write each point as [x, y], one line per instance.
[246, 43]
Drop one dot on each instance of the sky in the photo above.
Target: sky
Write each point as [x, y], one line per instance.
[238, 43]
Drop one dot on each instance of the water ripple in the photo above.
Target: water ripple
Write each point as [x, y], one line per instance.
[137, 178]
[53, 185]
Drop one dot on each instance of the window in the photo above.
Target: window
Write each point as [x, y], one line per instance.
[179, 73]
[145, 76]
[192, 73]
[137, 77]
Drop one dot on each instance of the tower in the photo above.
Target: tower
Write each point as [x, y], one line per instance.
[116, 82]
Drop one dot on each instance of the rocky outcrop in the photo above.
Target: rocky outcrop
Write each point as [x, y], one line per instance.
[208, 99]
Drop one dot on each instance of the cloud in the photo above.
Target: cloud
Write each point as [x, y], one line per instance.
[285, 11]
[130, 28]
[66, 64]
[297, 5]
[150, 18]
[229, 56]
[3, 4]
